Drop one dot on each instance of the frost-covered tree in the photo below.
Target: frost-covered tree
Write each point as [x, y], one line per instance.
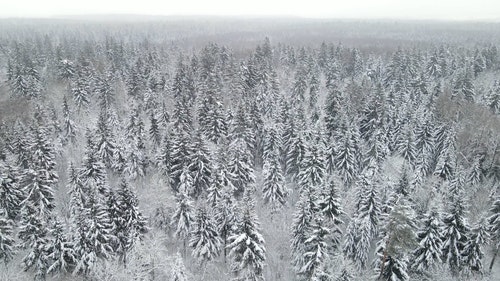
[200, 166]
[246, 245]
[316, 252]
[60, 251]
[129, 223]
[182, 219]
[397, 241]
[454, 234]
[93, 235]
[11, 194]
[494, 228]
[312, 168]
[204, 240]
[240, 167]
[7, 246]
[357, 241]
[274, 190]
[70, 128]
[472, 252]
[428, 253]
[178, 271]
[306, 210]
[225, 218]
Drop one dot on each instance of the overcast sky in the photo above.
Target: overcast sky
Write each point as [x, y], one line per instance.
[394, 9]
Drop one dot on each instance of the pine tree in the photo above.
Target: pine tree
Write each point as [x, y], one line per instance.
[247, 245]
[347, 161]
[204, 239]
[60, 252]
[105, 143]
[182, 219]
[7, 246]
[428, 253]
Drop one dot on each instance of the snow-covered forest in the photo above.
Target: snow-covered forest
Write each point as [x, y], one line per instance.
[258, 149]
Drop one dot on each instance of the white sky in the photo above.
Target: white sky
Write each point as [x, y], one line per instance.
[397, 9]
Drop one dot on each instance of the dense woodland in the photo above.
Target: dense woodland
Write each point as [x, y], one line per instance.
[133, 152]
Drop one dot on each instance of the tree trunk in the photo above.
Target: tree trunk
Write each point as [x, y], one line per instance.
[493, 259]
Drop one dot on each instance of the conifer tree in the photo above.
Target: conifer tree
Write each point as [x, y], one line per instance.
[240, 167]
[60, 252]
[274, 190]
[397, 240]
[331, 209]
[182, 218]
[178, 271]
[11, 194]
[306, 209]
[204, 239]
[70, 128]
[93, 235]
[246, 245]
[33, 235]
[428, 253]
[129, 223]
[494, 228]
[454, 234]
[357, 241]
[312, 168]
[7, 246]
[473, 249]
[225, 218]
[200, 166]
[316, 252]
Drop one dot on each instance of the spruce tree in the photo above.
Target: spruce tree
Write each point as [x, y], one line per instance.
[312, 168]
[225, 218]
[494, 228]
[129, 223]
[93, 235]
[11, 194]
[454, 234]
[200, 166]
[7, 246]
[274, 190]
[246, 245]
[316, 252]
[178, 271]
[428, 253]
[182, 219]
[60, 252]
[204, 239]
[472, 252]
